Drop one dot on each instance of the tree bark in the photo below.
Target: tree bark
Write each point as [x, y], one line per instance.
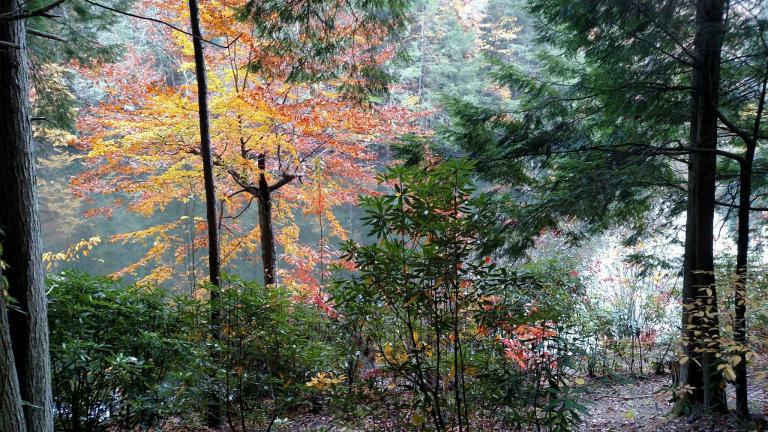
[214, 417]
[701, 331]
[742, 257]
[268, 250]
[21, 227]
[11, 413]
[740, 294]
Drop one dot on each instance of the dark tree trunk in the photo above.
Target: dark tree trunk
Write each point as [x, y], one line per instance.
[264, 198]
[742, 257]
[11, 413]
[21, 227]
[214, 262]
[740, 294]
[700, 320]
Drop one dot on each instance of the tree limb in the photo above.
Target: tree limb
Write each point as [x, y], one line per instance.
[287, 178]
[734, 128]
[725, 204]
[46, 35]
[9, 45]
[37, 12]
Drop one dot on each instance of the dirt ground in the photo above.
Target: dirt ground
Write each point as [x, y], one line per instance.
[644, 405]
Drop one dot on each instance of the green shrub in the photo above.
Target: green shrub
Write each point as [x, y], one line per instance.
[271, 345]
[456, 338]
[133, 356]
[119, 353]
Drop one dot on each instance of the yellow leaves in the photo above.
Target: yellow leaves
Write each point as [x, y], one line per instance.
[73, 253]
[143, 142]
[411, 101]
[323, 381]
[734, 360]
[394, 356]
[684, 390]
[134, 236]
[157, 275]
[417, 419]
[727, 371]
[184, 42]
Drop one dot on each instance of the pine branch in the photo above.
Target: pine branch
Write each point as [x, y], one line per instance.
[37, 12]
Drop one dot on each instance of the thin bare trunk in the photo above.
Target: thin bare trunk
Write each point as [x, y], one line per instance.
[268, 249]
[214, 262]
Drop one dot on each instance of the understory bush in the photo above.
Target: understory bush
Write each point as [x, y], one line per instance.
[627, 323]
[271, 345]
[134, 356]
[451, 339]
[118, 353]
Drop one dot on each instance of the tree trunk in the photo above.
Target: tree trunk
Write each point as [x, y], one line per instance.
[214, 262]
[742, 258]
[11, 413]
[21, 227]
[740, 294]
[742, 251]
[700, 319]
[268, 254]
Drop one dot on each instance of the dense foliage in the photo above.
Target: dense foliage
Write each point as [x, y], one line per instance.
[135, 356]
[412, 215]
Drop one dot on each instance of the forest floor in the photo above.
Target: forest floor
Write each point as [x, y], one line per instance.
[620, 404]
[644, 404]
[614, 404]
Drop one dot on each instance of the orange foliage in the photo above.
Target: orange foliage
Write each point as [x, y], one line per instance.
[523, 345]
[141, 142]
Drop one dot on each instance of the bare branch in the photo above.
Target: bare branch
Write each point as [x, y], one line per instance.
[46, 35]
[287, 178]
[741, 133]
[9, 45]
[735, 206]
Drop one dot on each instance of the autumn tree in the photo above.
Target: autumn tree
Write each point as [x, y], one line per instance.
[266, 134]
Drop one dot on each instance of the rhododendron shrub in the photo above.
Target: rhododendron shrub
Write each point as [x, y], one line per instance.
[435, 322]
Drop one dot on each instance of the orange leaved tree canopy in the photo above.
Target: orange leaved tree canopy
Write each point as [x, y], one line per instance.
[284, 147]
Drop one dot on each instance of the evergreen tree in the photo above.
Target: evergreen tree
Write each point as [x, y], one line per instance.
[607, 137]
[28, 321]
